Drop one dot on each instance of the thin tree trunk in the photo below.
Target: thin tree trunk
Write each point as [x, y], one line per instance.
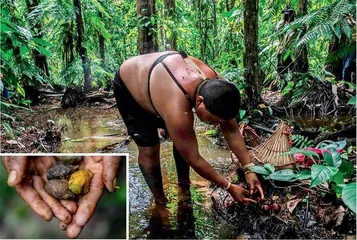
[251, 61]
[101, 43]
[302, 63]
[215, 31]
[147, 39]
[80, 48]
[170, 14]
[40, 60]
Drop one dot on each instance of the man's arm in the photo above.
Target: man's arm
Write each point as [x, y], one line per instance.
[183, 136]
[180, 128]
[236, 143]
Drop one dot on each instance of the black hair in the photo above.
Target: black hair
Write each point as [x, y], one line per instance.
[220, 97]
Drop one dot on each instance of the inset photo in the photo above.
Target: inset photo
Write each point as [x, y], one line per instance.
[63, 196]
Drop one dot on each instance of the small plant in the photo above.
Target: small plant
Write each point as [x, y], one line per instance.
[211, 133]
[325, 163]
[300, 141]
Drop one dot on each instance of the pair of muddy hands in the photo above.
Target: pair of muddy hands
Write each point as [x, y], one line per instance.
[74, 198]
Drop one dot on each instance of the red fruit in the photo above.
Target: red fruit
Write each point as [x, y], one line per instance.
[266, 207]
[276, 207]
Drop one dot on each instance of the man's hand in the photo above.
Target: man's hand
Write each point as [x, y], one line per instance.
[238, 193]
[105, 170]
[28, 176]
[254, 183]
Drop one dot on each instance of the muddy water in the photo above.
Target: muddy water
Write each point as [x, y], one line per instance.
[194, 220]
[88, 129]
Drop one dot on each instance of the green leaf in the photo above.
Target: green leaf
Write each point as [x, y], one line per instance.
[270, 111]
[20, 89]
[337, 188]
[320, 174]
[349, 196]
[303, 175]
[269, 167]
[338, 178]
[285, 175]
[259, 169]
[333, 159]
[288, 88]
[23, 50]
[211, 133]
[41, 42]
[43, 51]
[347, 169]
[5, 28]
[242, 113]
[8, 129]
[352, 101]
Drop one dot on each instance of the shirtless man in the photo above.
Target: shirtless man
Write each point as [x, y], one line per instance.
[160, 90]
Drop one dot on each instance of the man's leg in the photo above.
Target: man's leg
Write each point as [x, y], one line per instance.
[183, 174]
[149, 163]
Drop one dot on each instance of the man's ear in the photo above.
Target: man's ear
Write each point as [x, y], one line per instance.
[199, 100]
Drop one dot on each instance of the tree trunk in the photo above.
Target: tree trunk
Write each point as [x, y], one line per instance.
[101, 43]
[80, 48]
[170, 14]
[251, 63]
[215, 31]
[302, 63]
[147, 39]
[40, 60]
[336, 67]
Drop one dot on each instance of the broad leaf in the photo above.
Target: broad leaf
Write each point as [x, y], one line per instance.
[259, 169]
[333, 159]
[320, 174]
[285, 175]
[338, 178]
[43, 51]
[41, 42]
[349, 196]
[352, 101]
[347, 169]
[303, 175]
[270, 168]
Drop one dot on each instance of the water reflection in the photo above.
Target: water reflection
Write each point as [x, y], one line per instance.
[161, 227]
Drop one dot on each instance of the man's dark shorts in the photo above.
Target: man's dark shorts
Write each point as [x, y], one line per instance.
[142, 125]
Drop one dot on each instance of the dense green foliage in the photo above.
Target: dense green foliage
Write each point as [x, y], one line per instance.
[212, 32]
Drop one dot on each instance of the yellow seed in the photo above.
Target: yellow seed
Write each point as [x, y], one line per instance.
[79, 183]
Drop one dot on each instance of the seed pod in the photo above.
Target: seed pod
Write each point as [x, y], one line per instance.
[79, 183]
[59, 189]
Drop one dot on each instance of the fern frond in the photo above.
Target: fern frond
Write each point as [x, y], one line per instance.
[301, 141]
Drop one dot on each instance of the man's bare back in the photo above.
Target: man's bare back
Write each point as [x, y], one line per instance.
[164, 91]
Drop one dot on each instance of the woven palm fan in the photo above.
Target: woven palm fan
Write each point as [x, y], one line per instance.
[251, 138]
[269, 150]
